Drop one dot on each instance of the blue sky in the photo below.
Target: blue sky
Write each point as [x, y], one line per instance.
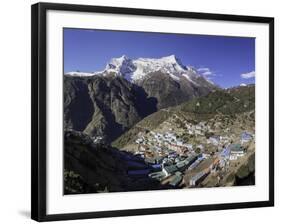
[227, 61]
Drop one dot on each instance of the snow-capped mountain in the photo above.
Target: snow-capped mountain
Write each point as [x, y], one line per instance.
[135, 70]
[109, 102]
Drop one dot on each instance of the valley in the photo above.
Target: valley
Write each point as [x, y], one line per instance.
[149, 124]
[191, 149]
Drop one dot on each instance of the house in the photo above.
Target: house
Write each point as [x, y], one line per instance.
[224, 156]
[178, 173]
[224, 138]
[189, 146]
[225, 153]
[199, 177]
[181, 165]
[214, 140]
[196, 163]
[190, 132]
[168, 170]
[186, 162]
[139, 140]
[176, 180]
[157, 175]
[198, 132]
[172, 154]
[179, 143]
[222, 163]
[236, 149]
[246, 137]
[205, 155]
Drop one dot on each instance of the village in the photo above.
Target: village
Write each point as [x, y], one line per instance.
[175, 161]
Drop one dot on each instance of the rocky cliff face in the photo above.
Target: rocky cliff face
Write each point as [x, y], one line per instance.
[78, 106]
[171, 92]
[104, 106]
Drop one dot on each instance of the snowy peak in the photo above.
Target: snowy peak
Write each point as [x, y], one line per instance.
[122, 66]
[116, 63]
[136, 69]
[170, 65]
[125, 65]
[172, 59]
[169, 62]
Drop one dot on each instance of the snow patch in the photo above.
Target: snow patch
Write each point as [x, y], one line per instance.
[80, 74]
[189, 79]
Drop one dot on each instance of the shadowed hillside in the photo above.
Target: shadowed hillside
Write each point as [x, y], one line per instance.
[90, 168]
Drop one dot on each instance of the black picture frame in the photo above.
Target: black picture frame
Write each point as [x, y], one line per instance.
[39, 122]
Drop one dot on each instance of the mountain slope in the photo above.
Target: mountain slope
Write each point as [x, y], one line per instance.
[104, 106]
[171, 92]
[220, 104]
[230, 101]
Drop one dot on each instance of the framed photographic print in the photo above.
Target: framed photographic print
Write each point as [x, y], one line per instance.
[138, 111]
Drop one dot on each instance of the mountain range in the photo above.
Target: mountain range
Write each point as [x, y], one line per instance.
[109, 102]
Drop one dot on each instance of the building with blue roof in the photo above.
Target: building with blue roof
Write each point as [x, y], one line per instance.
[246, 137]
